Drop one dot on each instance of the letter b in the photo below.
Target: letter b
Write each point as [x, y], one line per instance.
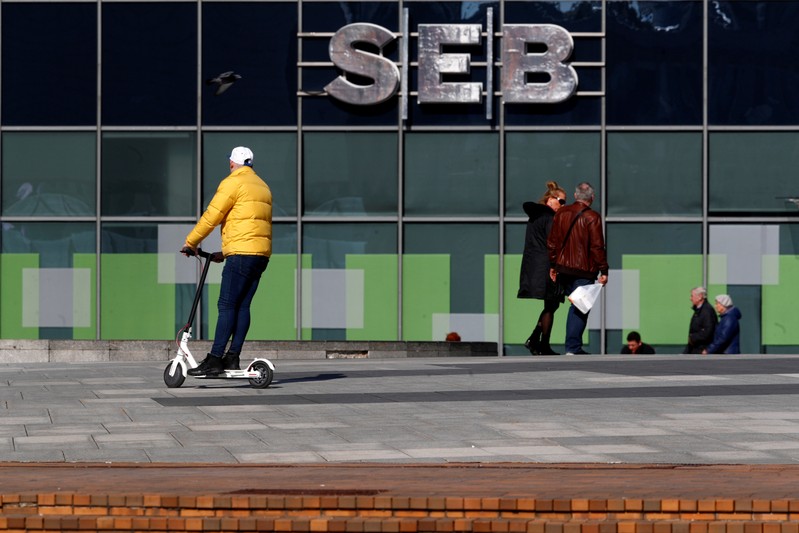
[516, 63]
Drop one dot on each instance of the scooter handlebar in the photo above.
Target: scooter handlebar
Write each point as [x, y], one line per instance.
[188, 251]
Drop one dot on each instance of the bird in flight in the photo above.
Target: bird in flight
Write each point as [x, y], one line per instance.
[223, 81]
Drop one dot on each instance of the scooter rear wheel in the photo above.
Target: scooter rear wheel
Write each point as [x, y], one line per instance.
[265, 378]
[175, 381]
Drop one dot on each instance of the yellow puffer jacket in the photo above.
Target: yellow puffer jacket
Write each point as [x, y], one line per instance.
[243, 206]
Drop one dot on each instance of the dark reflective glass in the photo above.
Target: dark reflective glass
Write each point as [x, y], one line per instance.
[654, 58]
[150, 63]
[752, 74]
[330, 16]
[49, 64]
[450, 13]
[265, 92]
[577, 111]
[573, 15]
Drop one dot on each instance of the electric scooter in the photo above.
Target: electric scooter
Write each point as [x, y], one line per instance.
[260, 371]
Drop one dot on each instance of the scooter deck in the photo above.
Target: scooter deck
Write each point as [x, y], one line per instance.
[228, 374]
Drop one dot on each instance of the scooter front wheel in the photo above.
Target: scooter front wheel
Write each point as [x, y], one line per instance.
[265, 377]
[175, 381]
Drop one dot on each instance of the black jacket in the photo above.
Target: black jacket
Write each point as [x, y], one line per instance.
[702, 328]
[534, 275]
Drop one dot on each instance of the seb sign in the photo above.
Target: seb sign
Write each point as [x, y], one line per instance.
[528, 52]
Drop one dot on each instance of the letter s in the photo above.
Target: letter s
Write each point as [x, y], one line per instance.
[378, 68]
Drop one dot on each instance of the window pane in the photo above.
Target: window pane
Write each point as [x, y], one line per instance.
[450, 277]
[328, 245]
[60, 183]
[284, 238]
[752, 79]
[750, 172]
[47, 280]
[149, 63]
[149, 174]
[350, 173]
[60, 50]
[275, 162]
[266, 61]
[654, 174]
[349, 282]
[655, 268]
[532, 159]
[654, 62]
[451, 174]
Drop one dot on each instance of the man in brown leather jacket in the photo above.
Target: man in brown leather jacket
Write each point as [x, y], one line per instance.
[577, 254]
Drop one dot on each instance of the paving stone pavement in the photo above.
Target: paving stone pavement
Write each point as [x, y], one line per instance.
[672, 409]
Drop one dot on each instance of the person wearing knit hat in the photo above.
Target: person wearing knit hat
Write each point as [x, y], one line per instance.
[728, 332]
[724, 300]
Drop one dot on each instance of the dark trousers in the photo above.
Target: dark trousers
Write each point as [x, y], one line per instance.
[576, 320]
[240, 278]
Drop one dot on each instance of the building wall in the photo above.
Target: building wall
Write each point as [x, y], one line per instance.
[400, 220]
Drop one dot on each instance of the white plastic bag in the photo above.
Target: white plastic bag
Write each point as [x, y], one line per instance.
[584, 297]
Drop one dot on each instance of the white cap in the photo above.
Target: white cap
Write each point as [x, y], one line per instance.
[240, 156]
[724, 299]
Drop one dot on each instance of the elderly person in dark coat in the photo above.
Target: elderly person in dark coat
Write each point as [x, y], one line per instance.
[534, 280]
[703, 322]
[727, 338]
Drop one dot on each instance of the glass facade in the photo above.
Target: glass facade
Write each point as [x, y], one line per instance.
[398, 215]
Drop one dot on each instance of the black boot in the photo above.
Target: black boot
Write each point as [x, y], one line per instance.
[231, 361]
[211, 366]
[533, 342]
[545, 348]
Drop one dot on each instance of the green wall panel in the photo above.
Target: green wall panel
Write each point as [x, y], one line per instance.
[380, 297]
[425, 291]
[134, 304]
[11, 266]
[780, 322]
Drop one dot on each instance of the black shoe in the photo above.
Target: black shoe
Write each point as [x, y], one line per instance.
[231, 361]
[546, 350]
[211, 366]
[531, 345]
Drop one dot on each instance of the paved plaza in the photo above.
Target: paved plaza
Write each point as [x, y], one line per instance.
[586, 409]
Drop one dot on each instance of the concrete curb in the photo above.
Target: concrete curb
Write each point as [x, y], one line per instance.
[74, 351]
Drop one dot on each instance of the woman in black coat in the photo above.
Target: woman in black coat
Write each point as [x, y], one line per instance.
[534, 280]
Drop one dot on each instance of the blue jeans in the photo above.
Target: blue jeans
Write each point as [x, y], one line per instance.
[240, 278]
[576, 320]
